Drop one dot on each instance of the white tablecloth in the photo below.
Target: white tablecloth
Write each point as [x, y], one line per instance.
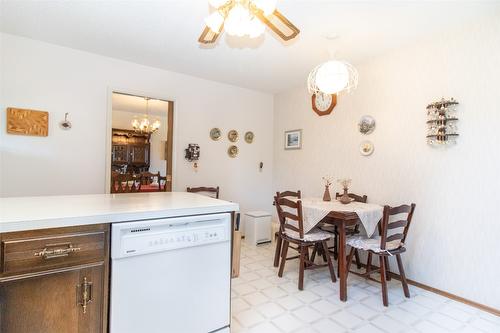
[315, 209]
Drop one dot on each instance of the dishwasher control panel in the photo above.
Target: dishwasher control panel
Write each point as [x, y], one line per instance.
[167, 235]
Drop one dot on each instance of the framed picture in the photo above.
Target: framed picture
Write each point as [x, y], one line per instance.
[293, 139]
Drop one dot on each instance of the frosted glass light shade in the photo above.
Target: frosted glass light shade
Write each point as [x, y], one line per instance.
[215, 21]
[255, 28]
[267, 6]
[332, 77]
[217, 3]
[237, 21]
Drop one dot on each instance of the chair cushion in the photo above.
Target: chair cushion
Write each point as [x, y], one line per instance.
[314, 235]
[373, 244]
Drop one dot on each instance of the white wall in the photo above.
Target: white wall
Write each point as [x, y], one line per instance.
[123, 120]
[56, 79]
[453, 242]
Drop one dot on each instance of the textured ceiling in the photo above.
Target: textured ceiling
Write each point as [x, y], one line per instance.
[164, 34]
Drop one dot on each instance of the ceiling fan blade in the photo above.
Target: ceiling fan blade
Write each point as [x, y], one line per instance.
[278, 23]
[208, 36]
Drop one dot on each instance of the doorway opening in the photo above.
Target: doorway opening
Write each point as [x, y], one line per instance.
[141, 144]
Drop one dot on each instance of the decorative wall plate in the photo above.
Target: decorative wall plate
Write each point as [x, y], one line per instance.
[232, 151]
[366, 124]
[366, 148]
[249, 137]
[232, 135]
[215, 134]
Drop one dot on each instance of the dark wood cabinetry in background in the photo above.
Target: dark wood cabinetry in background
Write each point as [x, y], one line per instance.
[55, 280]
[130, 149]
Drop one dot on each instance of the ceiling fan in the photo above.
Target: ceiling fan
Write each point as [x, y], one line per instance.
[246, 17]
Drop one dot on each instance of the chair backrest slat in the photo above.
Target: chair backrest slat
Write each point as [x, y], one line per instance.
[357, 198]
[290, 216]
[386, 224]
[394, 237]
[397, 224]
[214, 190]
[289, 194]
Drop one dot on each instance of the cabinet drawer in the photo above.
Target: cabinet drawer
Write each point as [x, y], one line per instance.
[45, 251]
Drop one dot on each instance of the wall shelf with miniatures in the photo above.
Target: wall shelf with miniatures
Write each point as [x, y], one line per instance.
[441, 122]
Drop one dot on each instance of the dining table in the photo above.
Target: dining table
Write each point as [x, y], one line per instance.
[315, 210]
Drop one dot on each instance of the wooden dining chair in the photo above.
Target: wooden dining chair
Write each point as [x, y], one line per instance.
[391, 243]
[211, 191]
[148, 178]
[292, 232]
[125, 183]
[349, 231]
[277, 251]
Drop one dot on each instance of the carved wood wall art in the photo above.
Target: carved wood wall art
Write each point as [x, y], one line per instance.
[27, 122]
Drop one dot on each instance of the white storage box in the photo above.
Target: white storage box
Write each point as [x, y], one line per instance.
[257, 227]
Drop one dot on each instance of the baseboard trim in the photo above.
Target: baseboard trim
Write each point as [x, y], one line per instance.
[446, 294]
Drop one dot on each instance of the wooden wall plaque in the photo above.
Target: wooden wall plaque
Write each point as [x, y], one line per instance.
[27, 122]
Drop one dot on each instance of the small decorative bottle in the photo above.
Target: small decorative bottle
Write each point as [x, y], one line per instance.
[326, 195]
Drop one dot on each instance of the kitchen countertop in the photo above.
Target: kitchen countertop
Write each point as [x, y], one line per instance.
[29, 213]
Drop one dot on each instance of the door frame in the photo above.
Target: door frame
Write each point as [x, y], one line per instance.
[173, 107]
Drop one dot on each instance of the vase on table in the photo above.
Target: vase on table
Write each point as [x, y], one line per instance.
[345, 198]
[326, 195]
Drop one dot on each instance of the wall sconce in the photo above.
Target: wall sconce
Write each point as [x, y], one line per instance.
[441, 122]
[193, 154]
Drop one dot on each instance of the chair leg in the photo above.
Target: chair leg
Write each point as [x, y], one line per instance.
[302, 266]
[349, 261]
[403, 276]
[284, 252]
[383, 281]
[387, 269]
[313, 255]
[369, 264]
[324, 253]
[329, 261]
[358, 261]
[277, 253]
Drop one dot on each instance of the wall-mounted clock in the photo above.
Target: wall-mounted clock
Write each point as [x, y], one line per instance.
[323, 104]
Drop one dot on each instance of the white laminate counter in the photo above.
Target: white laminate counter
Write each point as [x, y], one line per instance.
[29, 213]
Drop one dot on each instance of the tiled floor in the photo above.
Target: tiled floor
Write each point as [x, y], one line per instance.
[264, 303]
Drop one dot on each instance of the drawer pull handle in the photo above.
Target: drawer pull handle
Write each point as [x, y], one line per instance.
[84, 291]
[47, 253]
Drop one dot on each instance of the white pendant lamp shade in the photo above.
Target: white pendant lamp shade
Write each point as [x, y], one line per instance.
[267, 6]
[332, 77]
[215, 21]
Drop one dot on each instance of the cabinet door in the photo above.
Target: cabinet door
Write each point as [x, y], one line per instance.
[119, 154]
[71, 302]
[140, 154]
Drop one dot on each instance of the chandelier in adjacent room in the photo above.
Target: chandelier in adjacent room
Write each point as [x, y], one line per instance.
[246, 18]
[144, 125]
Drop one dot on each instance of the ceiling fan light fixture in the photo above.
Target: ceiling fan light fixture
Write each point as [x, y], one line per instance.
[246, 18]
[215, 21]
[267, 6]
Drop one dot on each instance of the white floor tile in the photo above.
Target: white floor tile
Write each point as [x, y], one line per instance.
[287, 323]
[271, 310]
[264, 303]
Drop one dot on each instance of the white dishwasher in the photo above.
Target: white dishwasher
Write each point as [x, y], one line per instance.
[171, 275]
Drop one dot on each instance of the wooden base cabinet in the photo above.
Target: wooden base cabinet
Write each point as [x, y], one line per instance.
[70, 298]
